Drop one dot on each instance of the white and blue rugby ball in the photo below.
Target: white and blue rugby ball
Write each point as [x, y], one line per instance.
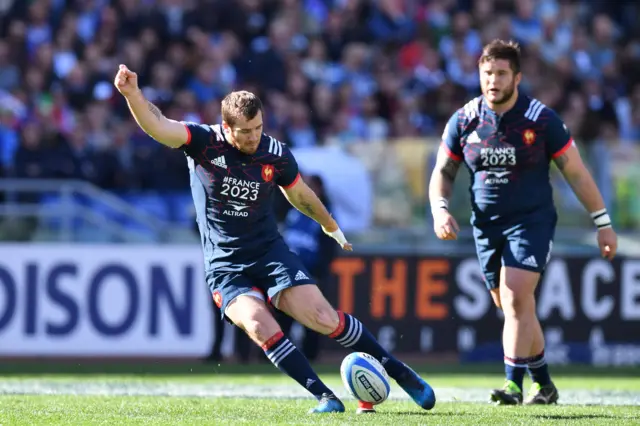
[365, 378]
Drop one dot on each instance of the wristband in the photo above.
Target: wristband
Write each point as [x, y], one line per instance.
[338, 236]
[442, 203]
[601, 219]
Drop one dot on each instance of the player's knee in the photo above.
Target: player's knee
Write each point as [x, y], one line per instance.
[260, 328]
[322, 318]
[254, 318]
[252, 328]
[517, 303]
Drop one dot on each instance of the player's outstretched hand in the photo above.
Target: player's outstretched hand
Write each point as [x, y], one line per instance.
[608, 243]
[126, 81]
[444, 225]
[347, 247]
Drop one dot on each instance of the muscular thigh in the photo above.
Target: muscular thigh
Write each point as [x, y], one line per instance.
[516, 291]
[307, 305]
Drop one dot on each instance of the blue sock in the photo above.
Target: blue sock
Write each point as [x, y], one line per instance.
[353, 335]
[538, 370]
[515, 369]
[284, 355]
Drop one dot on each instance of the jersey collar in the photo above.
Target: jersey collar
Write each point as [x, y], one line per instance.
[521, 102]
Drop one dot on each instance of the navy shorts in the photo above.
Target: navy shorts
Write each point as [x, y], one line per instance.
[525, 246]
[262, 278]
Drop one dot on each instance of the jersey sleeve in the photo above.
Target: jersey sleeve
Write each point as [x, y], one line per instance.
[558, 136]
[288, 172]
[451, 139]
[198, 139]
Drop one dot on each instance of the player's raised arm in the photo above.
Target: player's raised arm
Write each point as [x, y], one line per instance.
[149, 117]
[566, 156]
[444, 174]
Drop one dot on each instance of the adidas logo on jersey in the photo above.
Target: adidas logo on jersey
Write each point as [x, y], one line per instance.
[220, 162]
[301, 276]
[530, 261]
[474, 138]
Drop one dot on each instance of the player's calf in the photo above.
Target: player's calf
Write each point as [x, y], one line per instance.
[537, 366]
[284, 355]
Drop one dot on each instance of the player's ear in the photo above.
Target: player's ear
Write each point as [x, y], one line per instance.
[518, 77]
[225, 125]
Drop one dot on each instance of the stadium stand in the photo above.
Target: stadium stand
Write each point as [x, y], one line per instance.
[376, 78]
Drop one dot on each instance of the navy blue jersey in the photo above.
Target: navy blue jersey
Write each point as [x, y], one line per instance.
[508, 157]
[232, 193]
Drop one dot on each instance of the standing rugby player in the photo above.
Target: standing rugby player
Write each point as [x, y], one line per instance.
[507, 140]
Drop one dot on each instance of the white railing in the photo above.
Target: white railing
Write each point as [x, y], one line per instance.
[68, 210]
[416, 239]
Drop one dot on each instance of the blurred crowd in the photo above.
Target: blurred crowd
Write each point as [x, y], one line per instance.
[330, 72]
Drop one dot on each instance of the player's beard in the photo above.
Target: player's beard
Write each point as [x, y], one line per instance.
[507, 94]
[246, 148]
[249, 148]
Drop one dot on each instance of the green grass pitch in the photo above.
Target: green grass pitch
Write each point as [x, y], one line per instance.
[78, 393]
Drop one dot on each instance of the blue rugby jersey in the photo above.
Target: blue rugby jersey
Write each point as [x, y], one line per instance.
[233, 193]
[508, 157]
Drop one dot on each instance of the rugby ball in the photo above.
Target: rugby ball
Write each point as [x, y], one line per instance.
[365, 378]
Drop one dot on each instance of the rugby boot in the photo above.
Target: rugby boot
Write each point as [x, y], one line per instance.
[418, 389]
[542, 395]
[329, 403]
[510, 394]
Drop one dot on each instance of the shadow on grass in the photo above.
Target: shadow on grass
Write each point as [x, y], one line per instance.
[447, 414]
[584, 416]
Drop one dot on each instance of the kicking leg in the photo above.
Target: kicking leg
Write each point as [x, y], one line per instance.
[308, 306]
[250, 313]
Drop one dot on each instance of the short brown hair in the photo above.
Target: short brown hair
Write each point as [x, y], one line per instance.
[500, 49]
[241, 104]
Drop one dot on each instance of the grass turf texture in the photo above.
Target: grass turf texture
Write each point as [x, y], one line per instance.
[80, 393]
